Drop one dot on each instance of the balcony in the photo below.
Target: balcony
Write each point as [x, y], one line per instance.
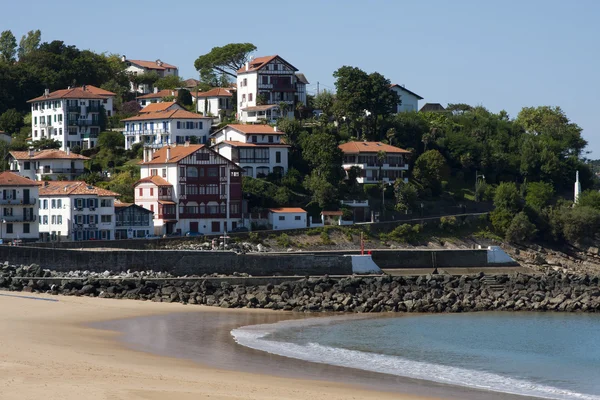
[72, 122]
[146, 132]
[45, 171]
[74, 109]
[18, 202]
[253, 161]
[93, 109]
[19, 218]
[93, 135]
[86, 122]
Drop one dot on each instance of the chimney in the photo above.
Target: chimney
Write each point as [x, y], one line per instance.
[147, 154]
[31, 152]
[275, 129]
[168, 153]
[172, 93]
[187, 143]
[155, 89]
[47, 92]
[83, 88]
[247, 65]
[68, 151]
[46, 183]
[68, 87]
[123, 58]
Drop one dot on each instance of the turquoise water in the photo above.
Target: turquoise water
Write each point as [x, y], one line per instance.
[549, 355]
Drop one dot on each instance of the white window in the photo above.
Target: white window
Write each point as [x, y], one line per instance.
[59, 219]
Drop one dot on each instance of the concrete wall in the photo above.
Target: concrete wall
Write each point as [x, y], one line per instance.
[179, 262]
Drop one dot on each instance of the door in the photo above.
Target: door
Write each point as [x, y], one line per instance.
[25, 196]
[216, 226]
[193, 226]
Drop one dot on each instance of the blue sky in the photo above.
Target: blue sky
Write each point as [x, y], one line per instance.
[499, 54]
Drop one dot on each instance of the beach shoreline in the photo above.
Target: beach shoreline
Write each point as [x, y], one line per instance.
[54, 350]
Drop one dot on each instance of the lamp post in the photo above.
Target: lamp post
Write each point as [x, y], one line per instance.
[477, 176]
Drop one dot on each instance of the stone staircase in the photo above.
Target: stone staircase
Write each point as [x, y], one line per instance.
[492, 283]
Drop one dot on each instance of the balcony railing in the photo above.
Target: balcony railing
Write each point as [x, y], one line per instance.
[74, 109]
[253, 160]
[92, 135]
[25, 202]
[93, 109]
[61, 171]
[19, 218]
[72, 122]
[86, 122]
[146, 132]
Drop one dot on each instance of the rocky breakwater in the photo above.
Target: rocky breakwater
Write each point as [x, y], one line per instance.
[554, 291]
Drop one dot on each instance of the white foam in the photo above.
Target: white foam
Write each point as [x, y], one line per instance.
[254, 337]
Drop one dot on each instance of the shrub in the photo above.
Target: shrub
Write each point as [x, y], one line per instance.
[325, 239]
[448, 224]
[579, 223]
[501, 219]
[253, 237]
[539, 194]
[520, 229]
[283, 240]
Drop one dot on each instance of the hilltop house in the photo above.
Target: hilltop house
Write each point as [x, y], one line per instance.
[50, 164]
[158, 129]
[138, 67]
[373, 158]
[215, 102]
[72, 116]
[75, 210]
[409, 101]
[257, 149]
[190, 188]
[263, 84]
[18, 200]
[156, 96]
[132, 221]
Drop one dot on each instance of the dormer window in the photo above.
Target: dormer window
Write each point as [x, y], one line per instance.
[254, 139]
[270, 139]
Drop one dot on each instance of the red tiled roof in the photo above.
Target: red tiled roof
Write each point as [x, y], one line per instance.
[249, 129]
[152, 64]
[169, 114]
[49, 154]
[287, 210]
[160, 94]
[259, 62]
[67, 188]
[99, 91]
[11, 179]
[157, 107]
[235, 143]
[216, 92]
[177, 153]
[370, 147]
[74, 93]
[157, 180]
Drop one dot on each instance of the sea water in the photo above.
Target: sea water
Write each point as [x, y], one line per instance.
[548, 355]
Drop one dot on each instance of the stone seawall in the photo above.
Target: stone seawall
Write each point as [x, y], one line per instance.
[430, 293]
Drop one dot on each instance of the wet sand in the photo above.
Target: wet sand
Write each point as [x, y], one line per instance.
[56, 350]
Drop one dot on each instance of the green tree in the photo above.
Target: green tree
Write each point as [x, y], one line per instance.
[169, 82]
[11, 121]
[29, 43]
[284, 108]
[227, 59]
[111, 140]
[589, 198]
[579, 223]
[123, 183]
[324, 101]
[520, 229]
[430, 169]
[46, 143]
[539, 194]
[8, 47]
[184, 97]
[507, 197]
[406, 195]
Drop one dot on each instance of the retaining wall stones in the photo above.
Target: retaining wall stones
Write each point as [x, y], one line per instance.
[430, 293]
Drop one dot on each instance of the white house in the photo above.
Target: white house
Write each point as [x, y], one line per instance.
[139, 67]
[287, 218]
[132, 221]
[74, 210]
[52, 164]
[265, 82]
[366, 156]
[190, 188]
[215, 102]
[257, 149]
[18, 200]
[156, 96]
[158, 129]
[409, 101]
[72, 116]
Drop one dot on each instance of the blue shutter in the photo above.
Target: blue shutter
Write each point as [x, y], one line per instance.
[96, 202]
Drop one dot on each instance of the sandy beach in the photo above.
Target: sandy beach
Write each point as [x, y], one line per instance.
[48, 350]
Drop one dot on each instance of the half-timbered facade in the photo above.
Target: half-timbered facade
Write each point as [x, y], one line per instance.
[132, 221]
[190, 188]
[258, 149]
[376, 161]
[268, 81]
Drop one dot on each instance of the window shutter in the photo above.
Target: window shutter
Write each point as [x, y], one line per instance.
[96, 202]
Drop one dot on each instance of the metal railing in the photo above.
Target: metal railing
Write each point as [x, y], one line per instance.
[61, 171]
[19, 218]
[25, 202]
